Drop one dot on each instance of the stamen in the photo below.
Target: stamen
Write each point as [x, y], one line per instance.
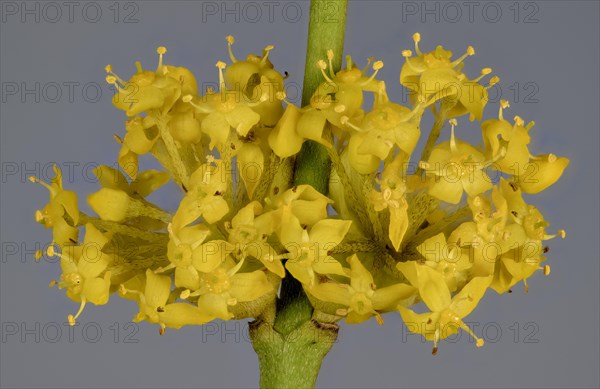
[112, 80]
[345, 120]
[266, 51]
[478, 341]
[436, 338]
[162, 330]
[161, 50]
[185, 294]
[330, 60]
[417, 38]
[484, 72]
[221, 65]
[376, 67]
[72, 319]
[379, 319]
[503, 105]
[349, 64]
[369, 60]
[470, 52]
[118, 139]
[453, 146]
[322, 65]
[406, 53]
[341, 312]
[230, 41]
[493, 81]
[38, 255]
[424, 165]
[138, 66]
[561, 233]
[52, 284]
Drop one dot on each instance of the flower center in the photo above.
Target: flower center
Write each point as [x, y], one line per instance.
[217, 282]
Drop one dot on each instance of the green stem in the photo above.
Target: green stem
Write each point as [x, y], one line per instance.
[290, 349]
[440, 120]
[324, 32]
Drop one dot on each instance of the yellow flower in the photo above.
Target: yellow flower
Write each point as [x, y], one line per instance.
[391, 197]
[222, 284]
[249, 231]
[256, 78]
[455, 167]
[141, 134]
[225, 110]
[157, 306]
[309, 250]
[151, 90]
[447, 312]
[145, 183]
[61, 213]
[305, 202]
[361, 296]
[341, 95]
[82, 267]
[507, 144]
[204, 197]
[435, 75]
[544, 170]
[183, 245]
[387, 126]
[447, 259]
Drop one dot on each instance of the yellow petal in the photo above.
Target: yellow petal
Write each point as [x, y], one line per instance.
[249, 286]
[387, 298]
[433, 289]
[157, 289]
[178, 315]
[332, 292]
[110, 204]
[214, 305]
[96, 290]
[398, 226]
[217, 128]
[545, 170]
[284, 139]
[242, 118]
[210, 255]
[251, 163]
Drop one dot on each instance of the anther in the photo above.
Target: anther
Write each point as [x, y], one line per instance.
[518, 121]
[493, 81]
[546, 270]
[50, 251]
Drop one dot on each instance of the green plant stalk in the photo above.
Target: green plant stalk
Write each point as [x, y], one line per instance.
[291, 346]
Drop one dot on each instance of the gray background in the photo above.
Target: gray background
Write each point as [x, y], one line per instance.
[553, 59]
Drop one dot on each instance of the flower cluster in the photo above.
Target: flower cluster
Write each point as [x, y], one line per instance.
[395, 229]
